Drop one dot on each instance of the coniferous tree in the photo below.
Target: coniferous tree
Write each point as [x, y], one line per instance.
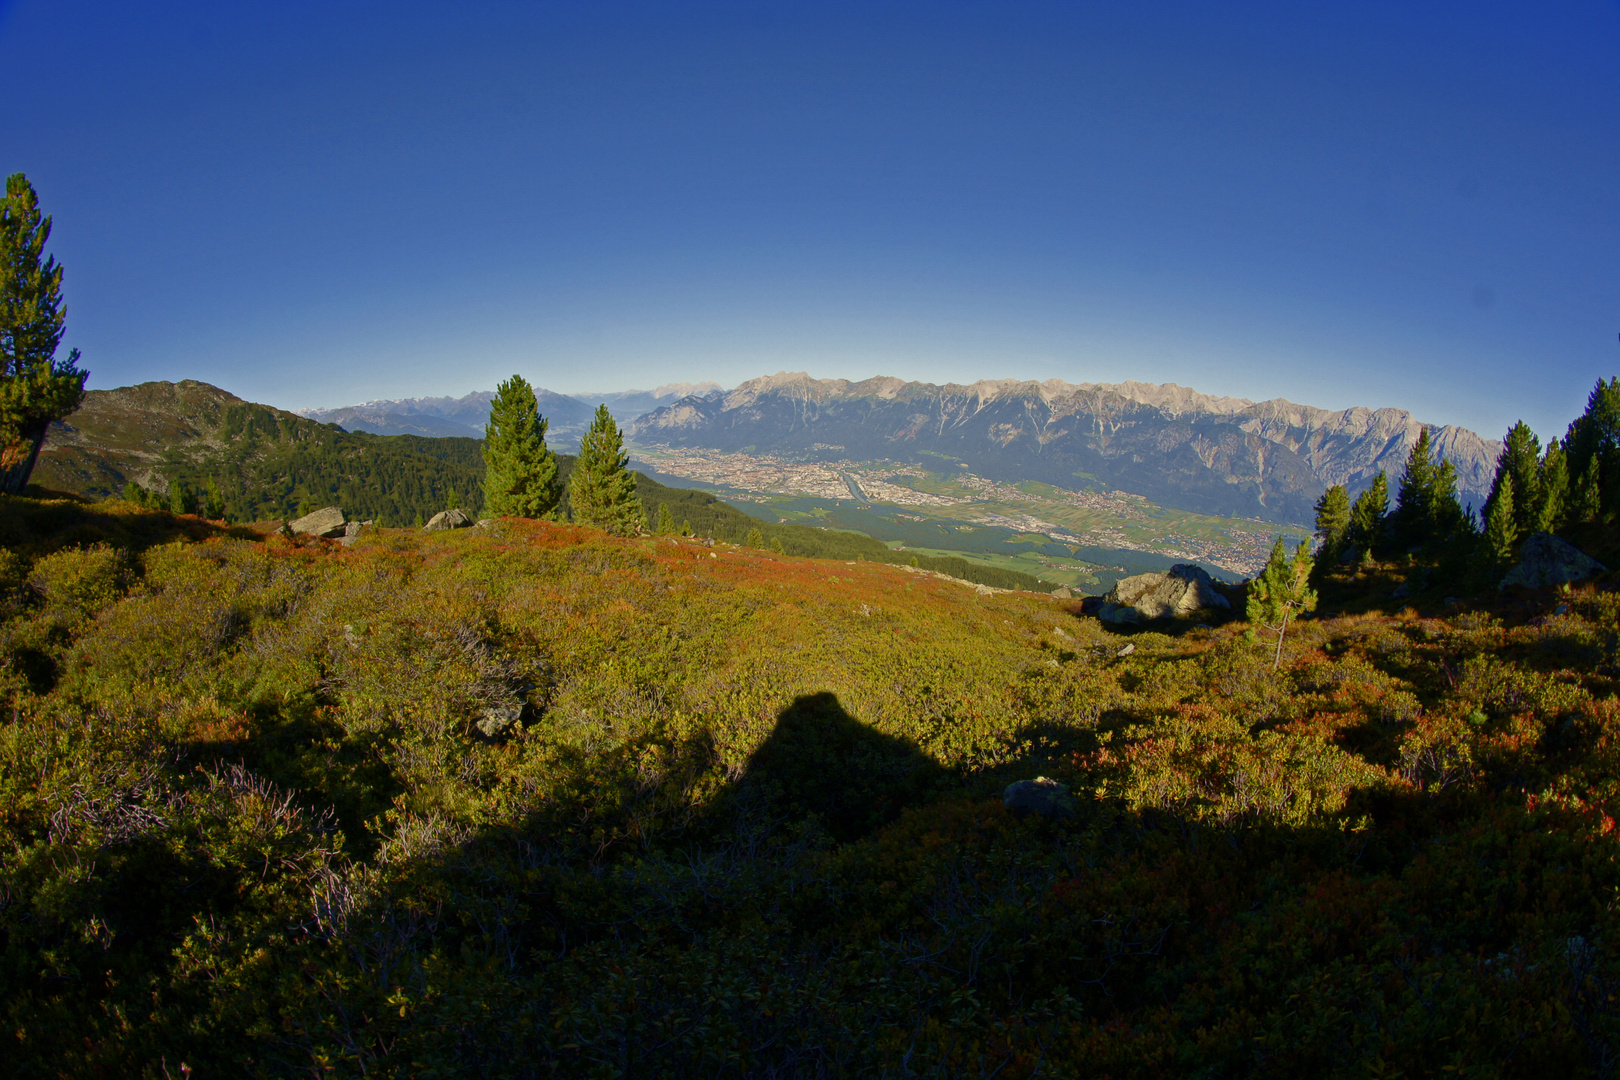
[1521, 460]
[1332, 523]
[601, 490]
[776, 545]
[1593, 447]
[1552, 489]
[756, 539]
[666, 520]
[1501, 521]
[520, 472]
[1426, 507]
[35, 389]
[180, 498]
[1281, 590]
[1367, 516]
[686, 526]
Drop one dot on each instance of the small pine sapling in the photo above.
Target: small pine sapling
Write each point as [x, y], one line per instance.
[1281, 590]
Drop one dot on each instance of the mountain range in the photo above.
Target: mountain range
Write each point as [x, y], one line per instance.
[466, 417]
[1226, 456]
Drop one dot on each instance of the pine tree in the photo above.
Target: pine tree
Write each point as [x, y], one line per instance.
[35, 389]
[686, 526]
[520, 472]
[1521, 460]
[756, 539]
[214, 502]
[1593, 447]
[1552, 489]
[776, 545]
[601, 490]
[1333, 523]
[1367, 517]
[181, 500]
[1426, 507]
[666, 520]
[1281, 589]
[1501, 521]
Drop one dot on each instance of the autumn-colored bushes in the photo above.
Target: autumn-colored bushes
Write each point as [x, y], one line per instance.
[747, 821]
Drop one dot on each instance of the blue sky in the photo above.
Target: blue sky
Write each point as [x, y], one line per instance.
[315, 204]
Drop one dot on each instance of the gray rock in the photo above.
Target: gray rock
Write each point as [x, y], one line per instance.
[1129, 648]
[448, 519]
[1184, 589]
[497, 720]
[1561, 609]
[324, 522]
[1546, 560]
[1042, 796]
[1062, 592]
[351, 530]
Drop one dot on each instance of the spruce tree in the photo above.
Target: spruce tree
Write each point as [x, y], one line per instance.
[666, 520]
[1281, 590]
[1367, 517]
[520, 472]
[1426, 507]
[1593, 447]
[686, 526]
[601, 490]
[1501, 521]
[1332, 523]
[35, 389]
[180, 498]
[756, 539]
[776, 545]
[1552, 489]
[1521, 460]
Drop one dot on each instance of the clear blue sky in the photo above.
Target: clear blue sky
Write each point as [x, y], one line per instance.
[312, 204]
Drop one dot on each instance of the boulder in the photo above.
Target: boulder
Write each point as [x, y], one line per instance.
[1063, 592]
[1546, 560]
[325, 522]
[1042, 796]
[1182, 590]
[498, 719]
[448, 519]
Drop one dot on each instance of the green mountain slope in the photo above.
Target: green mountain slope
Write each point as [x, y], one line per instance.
[269, 464]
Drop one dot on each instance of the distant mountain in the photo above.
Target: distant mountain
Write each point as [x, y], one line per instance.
[1180, 448]
[466, 417]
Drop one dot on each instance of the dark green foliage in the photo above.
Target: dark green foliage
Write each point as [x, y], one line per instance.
[1593, 447]
[666, 520]
[1521, 460]
[1280, 592]
[1367, 517]
[182, 500]
[1553, 489]
[1426, 507]
[1332, 524]
[756, 539]
[35, 389]
[1502, 533]
[520, 478]
[601, 489]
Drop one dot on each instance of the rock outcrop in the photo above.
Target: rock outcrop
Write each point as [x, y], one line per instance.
[1182, 590]
[327, 521]
[449, 519]
[1042, 796]
[1546, 560]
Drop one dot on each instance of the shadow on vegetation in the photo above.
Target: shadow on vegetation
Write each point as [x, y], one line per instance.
[56, 521]
[820, 760]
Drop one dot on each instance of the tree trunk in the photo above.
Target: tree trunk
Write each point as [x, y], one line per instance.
[1282, 628]
[17, 460]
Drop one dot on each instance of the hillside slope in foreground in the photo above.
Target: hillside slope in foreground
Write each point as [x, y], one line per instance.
[529, 801]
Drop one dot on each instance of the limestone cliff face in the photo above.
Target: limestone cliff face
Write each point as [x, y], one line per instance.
[1179, 447]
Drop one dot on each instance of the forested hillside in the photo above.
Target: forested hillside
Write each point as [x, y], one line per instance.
[524, 800]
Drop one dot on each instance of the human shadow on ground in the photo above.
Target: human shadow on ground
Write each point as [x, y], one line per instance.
[820, 760]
